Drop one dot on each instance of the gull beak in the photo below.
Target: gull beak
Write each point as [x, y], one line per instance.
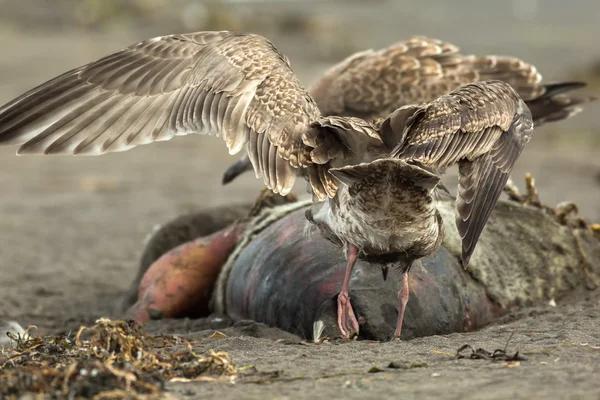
[384, 272]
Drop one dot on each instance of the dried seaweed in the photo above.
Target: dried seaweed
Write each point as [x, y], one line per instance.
[407, 365]
[482, 354]
[110, 360]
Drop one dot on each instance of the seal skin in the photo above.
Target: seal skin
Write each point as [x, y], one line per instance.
[181, 282]
[180, 230]
[278, 281]
[290, 280]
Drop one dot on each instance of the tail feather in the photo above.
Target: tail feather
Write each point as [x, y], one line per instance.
[555, 104]
[371, 173]
[547, 101]
[552, 89]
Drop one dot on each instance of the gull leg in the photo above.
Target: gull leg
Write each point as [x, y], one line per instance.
[402, 300]
[346, 319]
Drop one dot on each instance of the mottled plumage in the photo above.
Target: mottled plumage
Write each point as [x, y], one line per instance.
[236, 85]
[239, 86]
[481, 127]
[384, 206]
[383, 212]
[374, 83]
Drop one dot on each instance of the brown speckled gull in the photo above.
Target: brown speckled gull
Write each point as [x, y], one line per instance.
[485, 141]
[372, 183]
[373, 83]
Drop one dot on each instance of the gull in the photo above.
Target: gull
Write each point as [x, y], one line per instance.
[371, 84]
[372, 183]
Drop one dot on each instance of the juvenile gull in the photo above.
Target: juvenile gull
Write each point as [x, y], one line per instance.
[373, 83]
[485, 143]
[241, 87]
[384, 212]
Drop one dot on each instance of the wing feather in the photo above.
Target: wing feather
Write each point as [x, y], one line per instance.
[236, 85]
[372, 84]
[272, 160]
[482, 180]
[208, 100]
[109, 122]
[264, 151]
[259, 154]
[464, 123]
[285, 173]
[160, 131]
[140, 132]
[75, 118]
[253, 155]
[482, 127]
[129, 126]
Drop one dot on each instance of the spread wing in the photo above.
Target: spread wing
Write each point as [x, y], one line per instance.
[481, 182]
[483, 128]
[372, 84]
[236, 85]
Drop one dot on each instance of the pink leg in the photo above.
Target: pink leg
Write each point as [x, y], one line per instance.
[346, 319]
[402, 300]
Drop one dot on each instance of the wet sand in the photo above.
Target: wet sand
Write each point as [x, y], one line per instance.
[72, 231]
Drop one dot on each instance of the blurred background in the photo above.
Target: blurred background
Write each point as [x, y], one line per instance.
[72, 229]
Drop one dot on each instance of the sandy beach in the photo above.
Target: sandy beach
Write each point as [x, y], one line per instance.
[72, 230]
